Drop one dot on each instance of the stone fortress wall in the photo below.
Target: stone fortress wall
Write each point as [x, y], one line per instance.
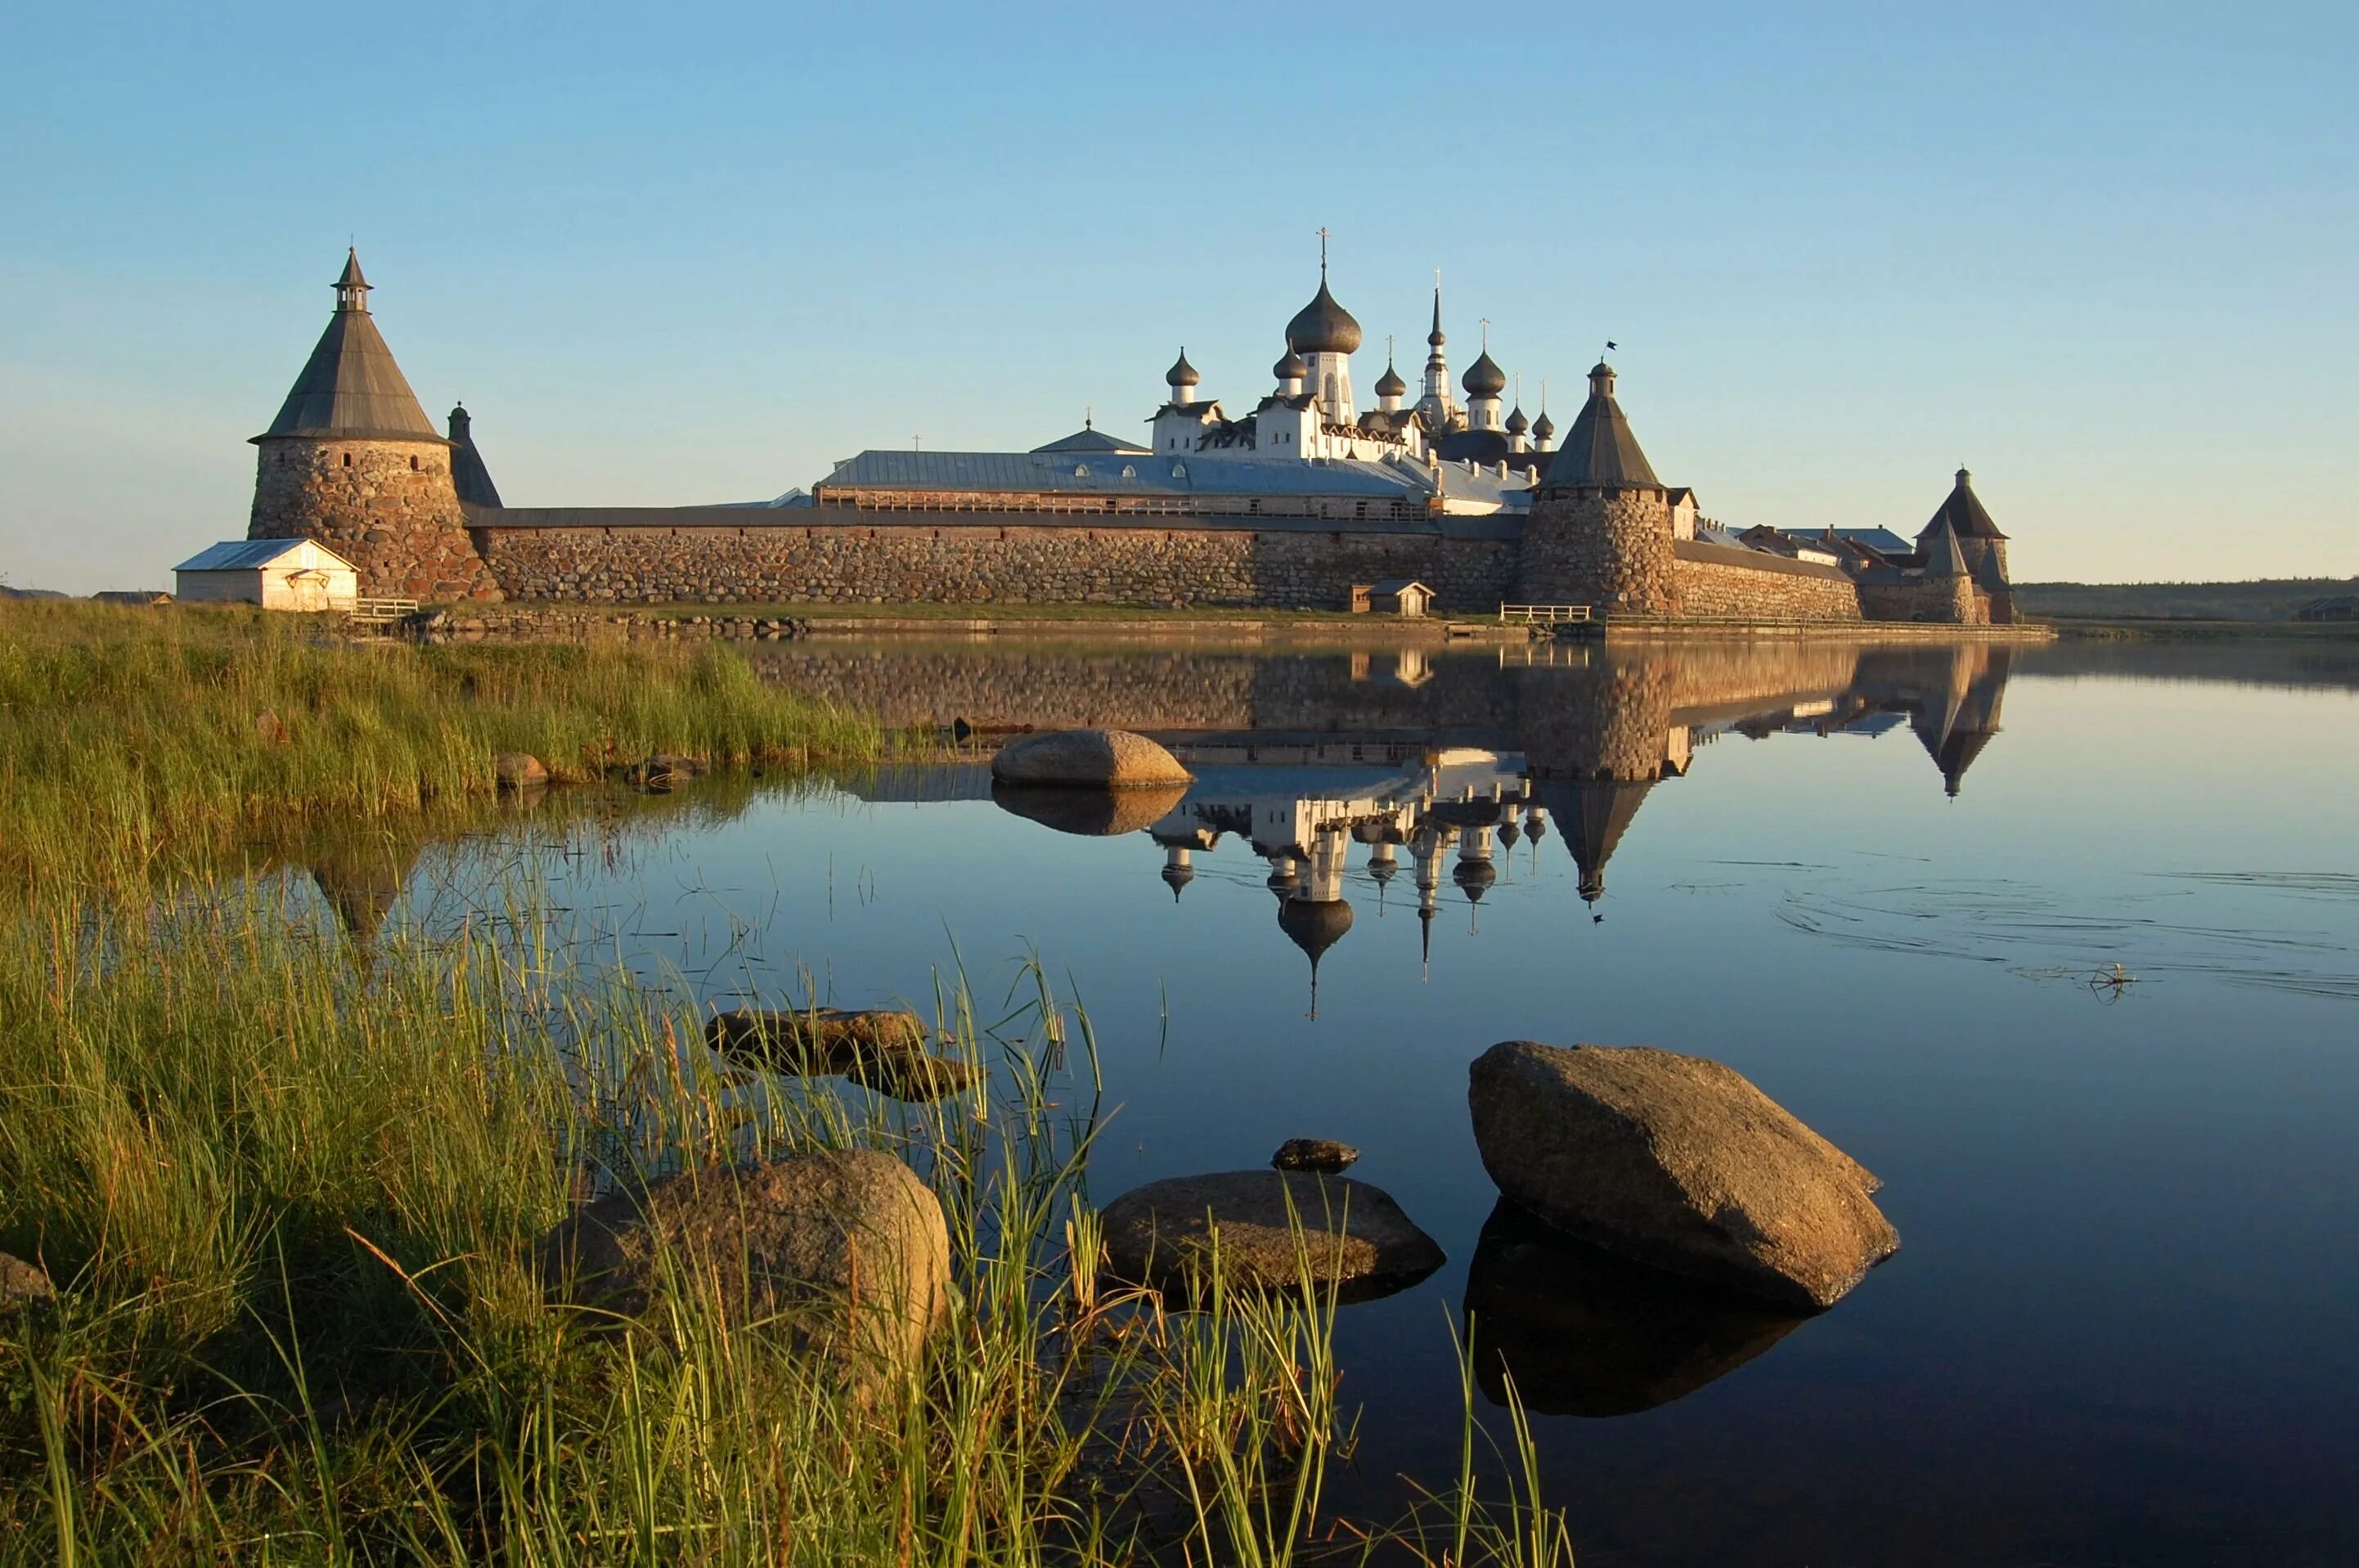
[938, 560]
[387, 507]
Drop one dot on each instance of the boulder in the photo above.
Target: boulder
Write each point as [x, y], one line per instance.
[1353, 1235]
[1088, 813]
[1104, 759]
[847, 1249]
[519, 771]
[663, 770]
[23, 1284]
[1584, 1332]
[1679, 1163]
[1313, 1154]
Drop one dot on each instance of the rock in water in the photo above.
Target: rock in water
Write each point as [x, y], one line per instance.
[848, 1247]
[22, 1284]
[519, 771]
[1678, 1162]
[1353, 1235]
[1097, 758]
[1313, 1154]
[882, 1049]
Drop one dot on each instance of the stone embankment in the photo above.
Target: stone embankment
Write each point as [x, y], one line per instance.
[519, 623]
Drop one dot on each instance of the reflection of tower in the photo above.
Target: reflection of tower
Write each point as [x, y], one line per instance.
[1474, 874]
[1382, 867]
[1425, 847]
[1596, 740]
[362, 881]
[1178, 871]
[1534, 825]
[1314, 916]
[1956, 719]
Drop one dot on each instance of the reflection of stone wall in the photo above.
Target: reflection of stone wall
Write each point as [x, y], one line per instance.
[966, 564]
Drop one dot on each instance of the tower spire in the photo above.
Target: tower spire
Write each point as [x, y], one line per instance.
[351, 288]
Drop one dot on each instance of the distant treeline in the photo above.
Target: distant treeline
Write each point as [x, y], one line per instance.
[2271, 599]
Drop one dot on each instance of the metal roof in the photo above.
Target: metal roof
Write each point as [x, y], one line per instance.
[350, 386]
[1963, 510]
[1323, 326]
[1599, 449]
[468, 474]
[1192, 474]
[1881, 540]
[1091, 439]
[232, 555]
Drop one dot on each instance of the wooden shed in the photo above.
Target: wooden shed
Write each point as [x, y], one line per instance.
[1393, 596]
[277, 574]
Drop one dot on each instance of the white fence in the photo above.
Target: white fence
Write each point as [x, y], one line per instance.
[1543, 615]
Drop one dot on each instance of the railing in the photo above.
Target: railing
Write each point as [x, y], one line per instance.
[379, 612]
[1543, 615]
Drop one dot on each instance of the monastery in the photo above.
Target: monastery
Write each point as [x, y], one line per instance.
[1297, 503]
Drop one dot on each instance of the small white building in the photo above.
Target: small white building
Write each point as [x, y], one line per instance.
[1403, 596]
[278, 574]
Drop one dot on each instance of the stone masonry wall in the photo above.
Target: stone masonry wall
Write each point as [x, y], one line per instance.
[1609, 549]
[1945, 601]
[969, 564]
[1717, 588]
[387, 507]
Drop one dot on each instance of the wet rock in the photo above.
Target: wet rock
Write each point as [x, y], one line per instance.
[664, 770]
[23, 1284]
[847, 1248]
[1582, 1332]
[882, 1049]
[1352, 1235]
[1679, 1163]
[1313, 1154]
[1092, 757]
[1088, 813]
[519, 771]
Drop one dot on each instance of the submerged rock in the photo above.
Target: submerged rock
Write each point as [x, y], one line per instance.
[1351, 1233]
[1093, 757]
[1313, 1154]
[1582, 1332]
[519, 771]
[1679, 1163]
[23, 1284]
[1088, 813]
[884, 1050]
[847, 1248]
[663, 770]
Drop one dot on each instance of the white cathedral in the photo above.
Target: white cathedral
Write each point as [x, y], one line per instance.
[1312, 412]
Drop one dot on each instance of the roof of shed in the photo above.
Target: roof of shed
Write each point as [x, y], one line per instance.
[232, 555]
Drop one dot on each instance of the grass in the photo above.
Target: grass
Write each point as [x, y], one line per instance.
[131, 740]
[288, 1186]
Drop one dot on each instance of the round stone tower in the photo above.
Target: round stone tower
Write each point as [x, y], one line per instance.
[1600, 529]
[352, 462]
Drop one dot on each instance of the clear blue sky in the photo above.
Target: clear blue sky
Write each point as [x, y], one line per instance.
[2102, 253]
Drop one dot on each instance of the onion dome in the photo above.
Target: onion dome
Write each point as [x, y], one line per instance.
[1181, 372]
[1516, 423]
[1543, 428]
[1390, 385]
[1322, 326]
[1314, 925]
[1509, 833]
[1292, 367]
[1475, 879]
[1484, 379]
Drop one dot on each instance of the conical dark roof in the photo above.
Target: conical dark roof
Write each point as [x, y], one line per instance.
[1322, 326]
[351, 386]
[468, 473]
[1963, 510]
[1942, 556]
[1599, 449]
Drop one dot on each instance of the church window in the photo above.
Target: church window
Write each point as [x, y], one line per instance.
[348, 460]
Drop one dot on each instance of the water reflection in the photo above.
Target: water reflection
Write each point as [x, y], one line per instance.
[1579, 743]
[1582, 1333]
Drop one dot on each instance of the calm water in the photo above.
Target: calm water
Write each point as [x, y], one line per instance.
[2120, 1329]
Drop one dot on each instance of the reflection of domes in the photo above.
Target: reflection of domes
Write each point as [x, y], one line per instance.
[1484, 379]
[1314, 925]
[1175, 877]
[1509, 832]
[1384, 871]
[1474, 878]
[1322, 326]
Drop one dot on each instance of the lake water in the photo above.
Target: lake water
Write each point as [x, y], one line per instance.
[1882, 884]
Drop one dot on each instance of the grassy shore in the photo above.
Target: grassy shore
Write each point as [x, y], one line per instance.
[130, 739]
[288, 1184]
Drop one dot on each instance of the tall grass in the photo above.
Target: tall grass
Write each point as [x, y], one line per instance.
[131, 740]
